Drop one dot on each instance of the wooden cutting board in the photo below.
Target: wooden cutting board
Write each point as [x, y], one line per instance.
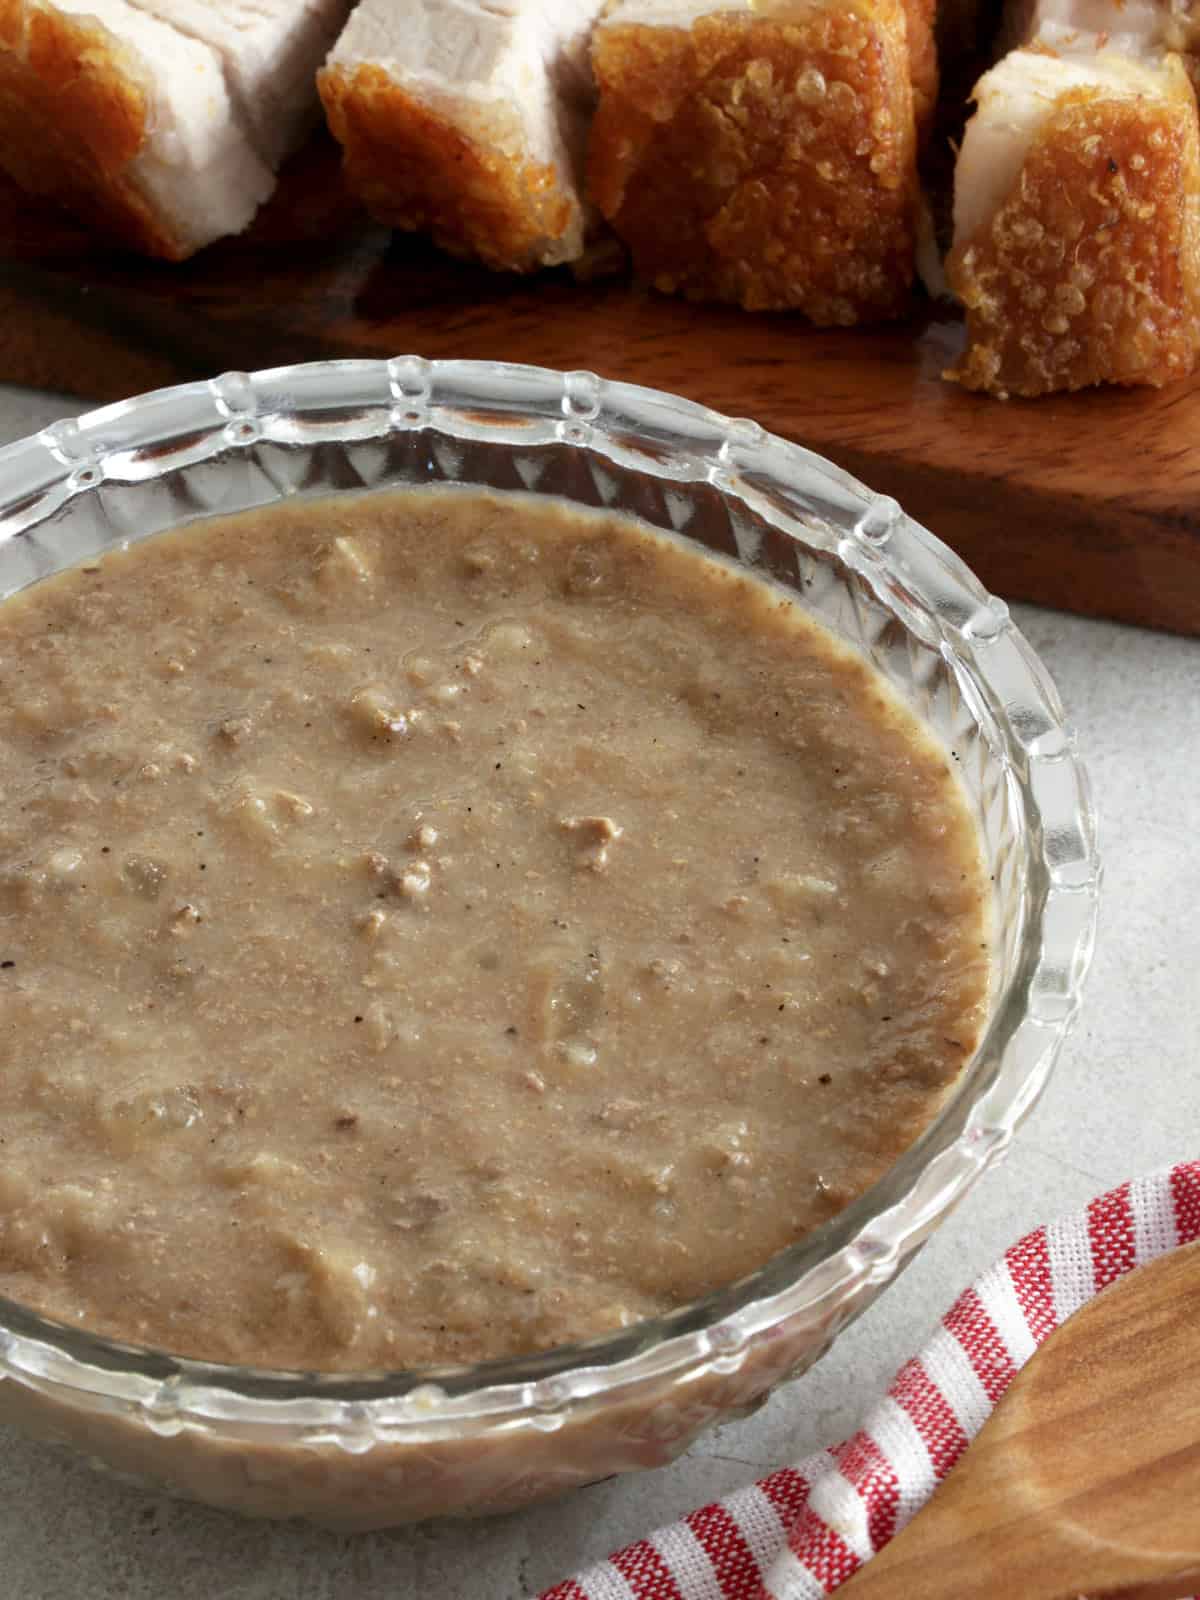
[1090, 503]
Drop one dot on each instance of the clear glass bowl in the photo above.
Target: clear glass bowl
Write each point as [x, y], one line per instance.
[369, 1451]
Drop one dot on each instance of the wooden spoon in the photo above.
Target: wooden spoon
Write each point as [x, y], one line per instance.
[1085, 1480]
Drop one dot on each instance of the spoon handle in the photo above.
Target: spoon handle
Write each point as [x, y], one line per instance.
[1085, 1480]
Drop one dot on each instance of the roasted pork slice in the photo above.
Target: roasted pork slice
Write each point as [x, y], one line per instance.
[761, 152]
[468, 119]
[1077, 224]
[162, 121]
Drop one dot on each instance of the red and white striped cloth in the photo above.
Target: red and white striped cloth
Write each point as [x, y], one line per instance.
[799, 1533]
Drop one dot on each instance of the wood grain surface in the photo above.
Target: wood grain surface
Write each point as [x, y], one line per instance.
[1085, 1479]
[1088, 502]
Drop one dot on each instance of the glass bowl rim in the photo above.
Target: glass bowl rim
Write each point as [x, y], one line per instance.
[153, 434]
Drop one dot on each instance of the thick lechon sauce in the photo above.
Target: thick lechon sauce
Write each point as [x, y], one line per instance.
[438, 926]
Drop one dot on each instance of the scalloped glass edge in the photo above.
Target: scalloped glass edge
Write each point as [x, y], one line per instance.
[828, 1277]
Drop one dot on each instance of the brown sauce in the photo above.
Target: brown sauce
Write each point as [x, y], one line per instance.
[441, 926]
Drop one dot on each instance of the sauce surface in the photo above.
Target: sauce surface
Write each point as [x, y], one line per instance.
[440, 926]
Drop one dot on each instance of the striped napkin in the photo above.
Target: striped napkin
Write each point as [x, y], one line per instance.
[799, 1533]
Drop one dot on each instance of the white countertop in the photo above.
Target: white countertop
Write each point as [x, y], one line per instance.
[1125, 1099]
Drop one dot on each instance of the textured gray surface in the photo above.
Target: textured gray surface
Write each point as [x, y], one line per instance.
[1126, 1099]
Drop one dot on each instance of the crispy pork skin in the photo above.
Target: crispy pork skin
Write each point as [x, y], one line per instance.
[761, 154]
